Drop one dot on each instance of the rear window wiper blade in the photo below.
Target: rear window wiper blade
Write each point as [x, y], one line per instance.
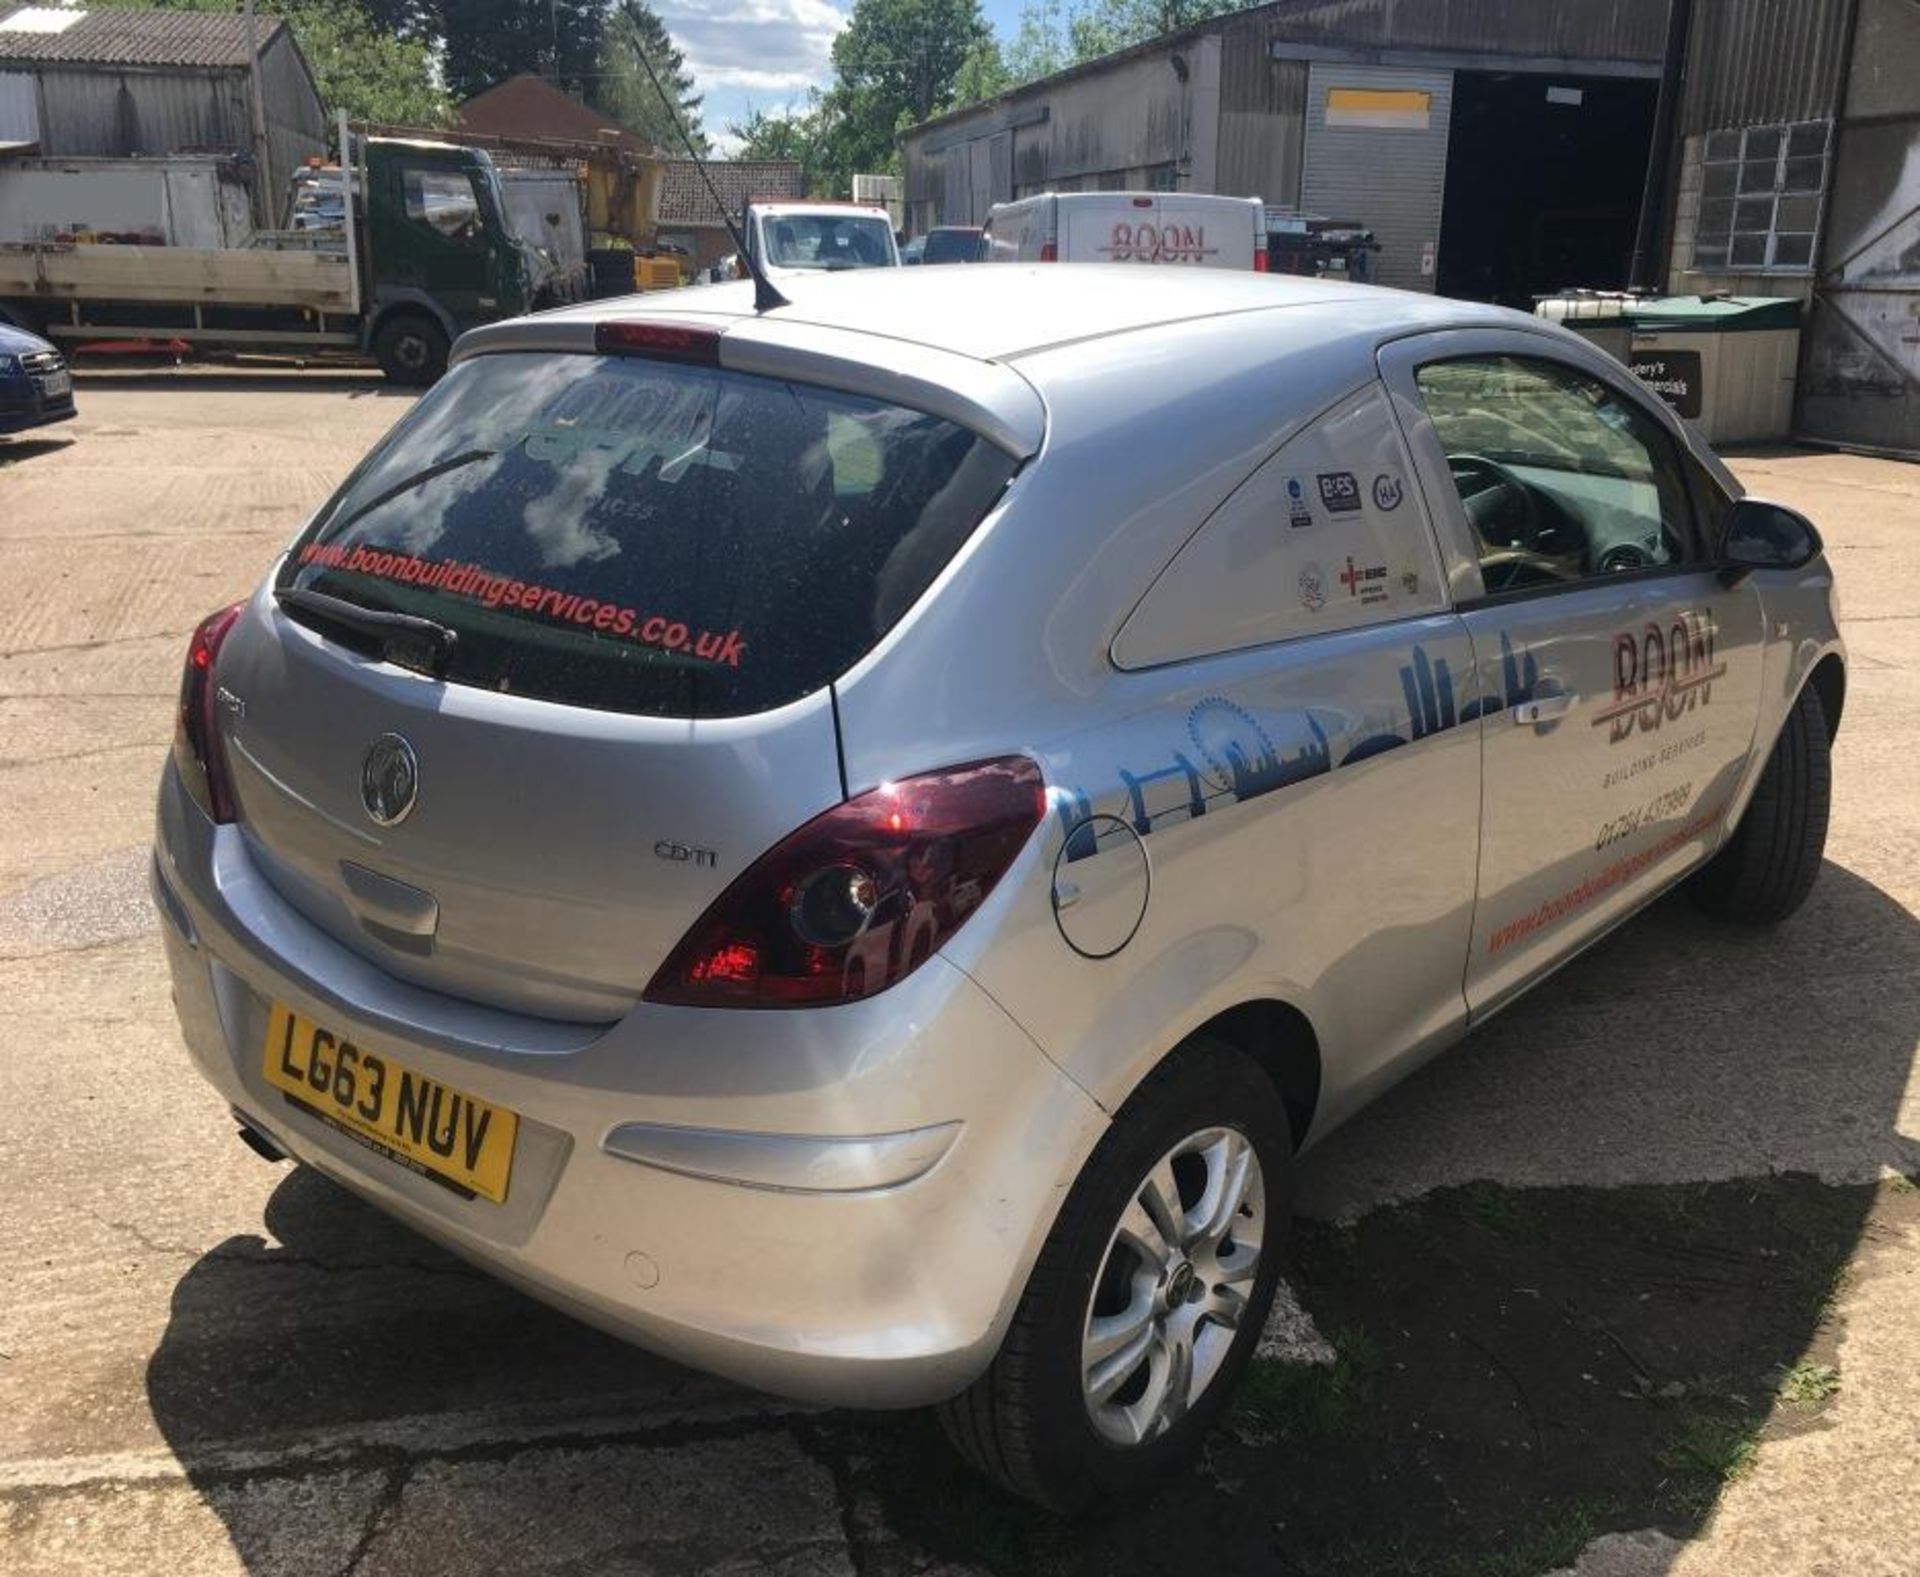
[420, 478]
[397, 634]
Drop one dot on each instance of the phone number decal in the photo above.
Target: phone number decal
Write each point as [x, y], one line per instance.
[1658, 808]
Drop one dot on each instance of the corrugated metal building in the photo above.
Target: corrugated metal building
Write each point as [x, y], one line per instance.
[125, 83]
[1367, 110]
[1799, 175]
[1499, 148]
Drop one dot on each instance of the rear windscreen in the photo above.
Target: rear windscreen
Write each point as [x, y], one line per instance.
[953, 246]
[642, 536]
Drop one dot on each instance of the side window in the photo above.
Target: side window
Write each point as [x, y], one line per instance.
[443, 200]
[1328, 534]
[1562, 479]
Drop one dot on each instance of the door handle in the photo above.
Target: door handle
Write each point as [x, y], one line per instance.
[1544, 709]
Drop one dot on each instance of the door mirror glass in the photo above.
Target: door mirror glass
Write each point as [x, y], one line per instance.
[1759, 535]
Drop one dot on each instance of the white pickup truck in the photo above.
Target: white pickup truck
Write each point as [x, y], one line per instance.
[792, 237]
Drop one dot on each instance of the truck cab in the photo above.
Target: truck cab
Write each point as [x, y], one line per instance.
[803, 237]
[441, 253]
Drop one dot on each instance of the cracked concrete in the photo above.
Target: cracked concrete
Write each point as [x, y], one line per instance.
[210, 1365]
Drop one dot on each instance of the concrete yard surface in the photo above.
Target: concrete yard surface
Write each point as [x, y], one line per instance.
[1628, 1283]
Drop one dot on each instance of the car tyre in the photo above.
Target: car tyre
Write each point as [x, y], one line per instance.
[1767, 867]
[411, 349]
[1032, 1422]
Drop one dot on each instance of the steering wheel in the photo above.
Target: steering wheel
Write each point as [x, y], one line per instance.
[1506, 560]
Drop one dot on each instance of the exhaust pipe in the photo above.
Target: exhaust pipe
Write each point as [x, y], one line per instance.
[258, 1142]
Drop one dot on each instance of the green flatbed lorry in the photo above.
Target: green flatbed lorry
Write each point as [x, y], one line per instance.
[423, 250]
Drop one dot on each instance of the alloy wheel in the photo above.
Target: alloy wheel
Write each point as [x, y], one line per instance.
[1173, 1286]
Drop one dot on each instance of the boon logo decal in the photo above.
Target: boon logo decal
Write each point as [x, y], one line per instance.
[1659, 674]
[1147, 242]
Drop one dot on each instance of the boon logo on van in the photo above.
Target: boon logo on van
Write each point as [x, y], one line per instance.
[1147, 242]
[1658, 674]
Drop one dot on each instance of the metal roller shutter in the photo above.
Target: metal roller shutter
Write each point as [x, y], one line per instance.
[1376, 153]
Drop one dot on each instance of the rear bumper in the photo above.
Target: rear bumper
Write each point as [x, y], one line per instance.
[840, 1205]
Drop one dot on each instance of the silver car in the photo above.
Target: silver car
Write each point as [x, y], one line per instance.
[855, 845]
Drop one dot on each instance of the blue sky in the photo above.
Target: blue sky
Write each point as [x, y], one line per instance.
[766, 54]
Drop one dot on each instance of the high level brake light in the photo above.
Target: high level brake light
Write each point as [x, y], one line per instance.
[197, 750]
[862, 895]
[662, 341]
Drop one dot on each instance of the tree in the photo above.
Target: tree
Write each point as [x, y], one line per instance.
[1099, 27]
[1038, 49]
[895, 64]
[360, 67]
[487, 41]
[982, 75]
[372, 75]
[634, 32]
[796, 135]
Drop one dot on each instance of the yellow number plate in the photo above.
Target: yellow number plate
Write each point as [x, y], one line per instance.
[406, 1116]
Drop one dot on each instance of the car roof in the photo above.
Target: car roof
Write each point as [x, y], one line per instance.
[1000, 311]
[800, 205]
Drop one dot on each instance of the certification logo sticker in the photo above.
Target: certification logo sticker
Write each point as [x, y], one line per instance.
[1313, 588]
[1339, 492]
[1388, 490]
[1299, 513]
[1367, 582]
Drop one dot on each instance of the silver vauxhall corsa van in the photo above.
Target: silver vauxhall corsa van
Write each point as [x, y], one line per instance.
[855, 844]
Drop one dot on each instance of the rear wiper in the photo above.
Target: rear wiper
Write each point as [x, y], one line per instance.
[397, 635]
[408, 484]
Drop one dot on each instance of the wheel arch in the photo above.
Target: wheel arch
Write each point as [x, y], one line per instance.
[1280, 1040]
[1829, 680]
[404, 302]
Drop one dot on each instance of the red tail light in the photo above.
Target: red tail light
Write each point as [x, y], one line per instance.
[1260, 258]
[1049, 253]
[862, 895]
[197, 750]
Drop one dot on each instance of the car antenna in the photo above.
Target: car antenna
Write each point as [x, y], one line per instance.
[765, 297]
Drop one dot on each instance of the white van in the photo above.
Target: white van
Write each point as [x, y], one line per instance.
[1187, 228]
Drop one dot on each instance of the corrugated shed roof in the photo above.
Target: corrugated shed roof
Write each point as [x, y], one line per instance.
[684, 199]
[133, 38]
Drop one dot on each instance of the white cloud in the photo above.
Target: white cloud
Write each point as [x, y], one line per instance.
[753, 54]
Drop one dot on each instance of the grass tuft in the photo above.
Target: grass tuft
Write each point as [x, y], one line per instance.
[1292, 1402]
[1807, 1384]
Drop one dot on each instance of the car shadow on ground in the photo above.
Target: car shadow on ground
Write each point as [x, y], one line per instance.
[1521, 1365]
[13, 450]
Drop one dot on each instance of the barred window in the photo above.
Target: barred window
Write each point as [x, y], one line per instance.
[1760, 192]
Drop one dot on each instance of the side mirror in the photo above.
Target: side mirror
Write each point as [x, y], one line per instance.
[1759, 535]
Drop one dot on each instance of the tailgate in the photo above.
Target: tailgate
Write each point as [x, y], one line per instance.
[553, 855]
[554, 665]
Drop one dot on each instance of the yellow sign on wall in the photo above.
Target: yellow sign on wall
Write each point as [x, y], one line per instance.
[1394, 109]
